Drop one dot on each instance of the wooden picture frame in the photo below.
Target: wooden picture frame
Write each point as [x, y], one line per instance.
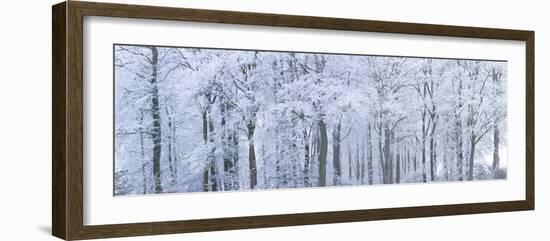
[67, 122]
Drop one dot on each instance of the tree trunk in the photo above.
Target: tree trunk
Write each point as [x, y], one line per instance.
[369, 156]
[205, 175]
[414, 162]
[226, 155]
[306, 159]
[234, 172]
[387, 155]
[496, 158]
[381, 154]
[212, 155]
[323, 153]
[357, 163]
[230, 150]
[350, 163]
[472, 155]
[398, 167]
[295, 159]
[460, 153]
[423, 148]
[171, 153]
[361, 163]
[336, 154]
[155, 115]
[432, 158]
[389, 158]
[446, 165]
[142, 152]
[408, 164]
[315, 143]
[251, 126]
[435, 159]
[175, 151]
[458, 133]
[433, 118]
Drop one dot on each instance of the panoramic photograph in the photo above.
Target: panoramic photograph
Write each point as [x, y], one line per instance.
[190, 119]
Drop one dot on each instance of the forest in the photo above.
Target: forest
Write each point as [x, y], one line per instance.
[210, 120]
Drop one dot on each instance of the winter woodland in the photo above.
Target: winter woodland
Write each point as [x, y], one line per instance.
[210, 120]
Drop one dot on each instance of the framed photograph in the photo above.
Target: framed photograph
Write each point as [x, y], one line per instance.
[171, 120]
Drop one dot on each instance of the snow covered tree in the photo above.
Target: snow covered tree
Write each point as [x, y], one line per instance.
[208, 120]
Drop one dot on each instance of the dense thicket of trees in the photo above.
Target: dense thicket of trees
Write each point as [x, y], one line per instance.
[192, 120]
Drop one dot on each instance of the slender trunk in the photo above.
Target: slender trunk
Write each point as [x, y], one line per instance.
[294, 160]
[398, 167]
[234, 172]
[279, 175]
[264, 170]
[212, 156]
[414, 162]
[226, 155]
[369, 155]
[387, 155]
[423, 148]
[205, 175]
[391, 158]
[155, 115]
[357, 163]
[458, 133]
[435, 159]
[434, 145]
[496, 158]
[142, 153]
[171, 153]
[229, 150]
[251, 126]
[175, 151]
[336, 154]
[433, 118]
[432, 156]
[170, 166]
[213, 177]
[350, 163]
[323, 153]
[404, 162]
[314, 157]
[446, 165]
[496, 74]
[381, 154]
[459, 151]
[472, 155]
[306, 159]
[408, 164]
[361, 162]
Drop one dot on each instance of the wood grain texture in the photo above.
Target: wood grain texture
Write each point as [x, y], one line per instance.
[58, 121]
[138, 229]
[67, 136]
[280, 20]
[74, 121]
[530, 120]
